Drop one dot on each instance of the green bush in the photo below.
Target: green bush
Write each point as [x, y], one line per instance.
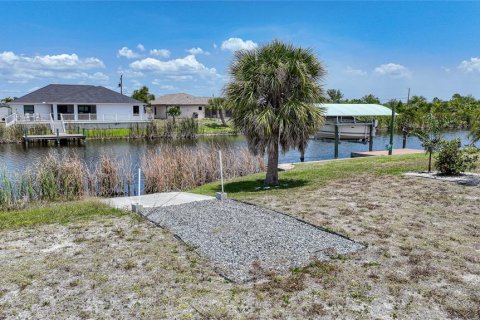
[453, 160]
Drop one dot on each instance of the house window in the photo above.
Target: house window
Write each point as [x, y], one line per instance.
[200, 108]
[28, 109]
[136, 110]
[87, 108]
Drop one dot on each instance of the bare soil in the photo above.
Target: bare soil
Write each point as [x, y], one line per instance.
[422, 261]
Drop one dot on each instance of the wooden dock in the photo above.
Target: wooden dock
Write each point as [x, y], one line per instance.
[385, 153]
[59, 139]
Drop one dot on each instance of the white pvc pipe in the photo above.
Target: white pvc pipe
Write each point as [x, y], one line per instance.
[139, 177]
[221, 167]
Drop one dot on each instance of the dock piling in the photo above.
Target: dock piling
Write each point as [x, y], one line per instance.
[337, 138]
[392, 128]
[370, 137]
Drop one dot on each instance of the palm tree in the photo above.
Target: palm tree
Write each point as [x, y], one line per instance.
[271, 94]
[174, 111]
[218, 105]
[334, 96]
[430, 137]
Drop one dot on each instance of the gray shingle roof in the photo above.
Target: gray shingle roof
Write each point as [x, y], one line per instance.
[67, 93]
[180, 99]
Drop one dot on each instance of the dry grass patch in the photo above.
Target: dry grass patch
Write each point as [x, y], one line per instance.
[421, 261]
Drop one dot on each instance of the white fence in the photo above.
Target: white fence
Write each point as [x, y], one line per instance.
[105, 117]
[70, 117]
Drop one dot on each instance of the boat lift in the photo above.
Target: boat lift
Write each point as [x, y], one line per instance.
[340, 111]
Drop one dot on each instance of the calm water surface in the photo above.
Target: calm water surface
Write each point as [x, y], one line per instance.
[15, 157]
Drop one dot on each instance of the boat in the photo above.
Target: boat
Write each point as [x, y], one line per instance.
[346, 116]
[349, 128]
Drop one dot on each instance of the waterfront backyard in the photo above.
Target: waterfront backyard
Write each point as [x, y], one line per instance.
[421, 256]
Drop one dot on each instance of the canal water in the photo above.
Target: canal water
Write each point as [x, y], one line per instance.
[15, 157]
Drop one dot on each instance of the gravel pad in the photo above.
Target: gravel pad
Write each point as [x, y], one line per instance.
[240, 238]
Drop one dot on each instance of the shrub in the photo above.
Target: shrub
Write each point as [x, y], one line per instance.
[452, 160]
[188, 128]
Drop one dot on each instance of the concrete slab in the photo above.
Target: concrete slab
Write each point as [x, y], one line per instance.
[395, 152]
[467, 178]
[155, 200]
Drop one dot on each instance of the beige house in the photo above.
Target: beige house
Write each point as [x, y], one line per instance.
[190, 106]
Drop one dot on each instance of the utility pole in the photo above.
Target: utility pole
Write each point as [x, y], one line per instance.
[120, 84]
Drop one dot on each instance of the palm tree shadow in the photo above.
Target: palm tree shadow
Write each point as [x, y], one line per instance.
[258, 185]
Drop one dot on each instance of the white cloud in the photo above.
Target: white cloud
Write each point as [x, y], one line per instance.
[140, 47]
[136, 83]
[470, 65]
[392, 70]
[164, 53]
[198, 51]
[127, 53]
[180, 77]
[234, 44]
[168, 87]
[188, 65]
[355, 72]
[21, 69]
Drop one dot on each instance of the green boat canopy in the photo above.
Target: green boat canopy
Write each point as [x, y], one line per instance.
[354, 110]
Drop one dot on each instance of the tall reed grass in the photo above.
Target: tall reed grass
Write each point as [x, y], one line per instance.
[67, 177]
[179, 168]
[163, 129]
[15, 133]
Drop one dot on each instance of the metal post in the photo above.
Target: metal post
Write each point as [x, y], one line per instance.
[137, 207]
[392, 128]
[25, 131]
[337, 138]
[370, 137]
[221, 195]
[221, 168]
[139, 179]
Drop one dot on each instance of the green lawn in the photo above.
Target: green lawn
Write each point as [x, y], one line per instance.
[205, 126]
[63, 213]
[209, 126]
[107, 133]
[310, 176]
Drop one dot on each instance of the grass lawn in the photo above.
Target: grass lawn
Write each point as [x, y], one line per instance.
[61, 213]
[210, 126]
[205, 126]
[311, 176]
[422, 258]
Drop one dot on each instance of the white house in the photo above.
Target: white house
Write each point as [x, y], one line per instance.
[76, 103]
[190, 106]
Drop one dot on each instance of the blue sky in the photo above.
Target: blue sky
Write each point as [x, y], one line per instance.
[382, 48]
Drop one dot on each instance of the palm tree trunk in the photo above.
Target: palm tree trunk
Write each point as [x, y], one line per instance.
[272, 166]
[430, 162]
[222, 117]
